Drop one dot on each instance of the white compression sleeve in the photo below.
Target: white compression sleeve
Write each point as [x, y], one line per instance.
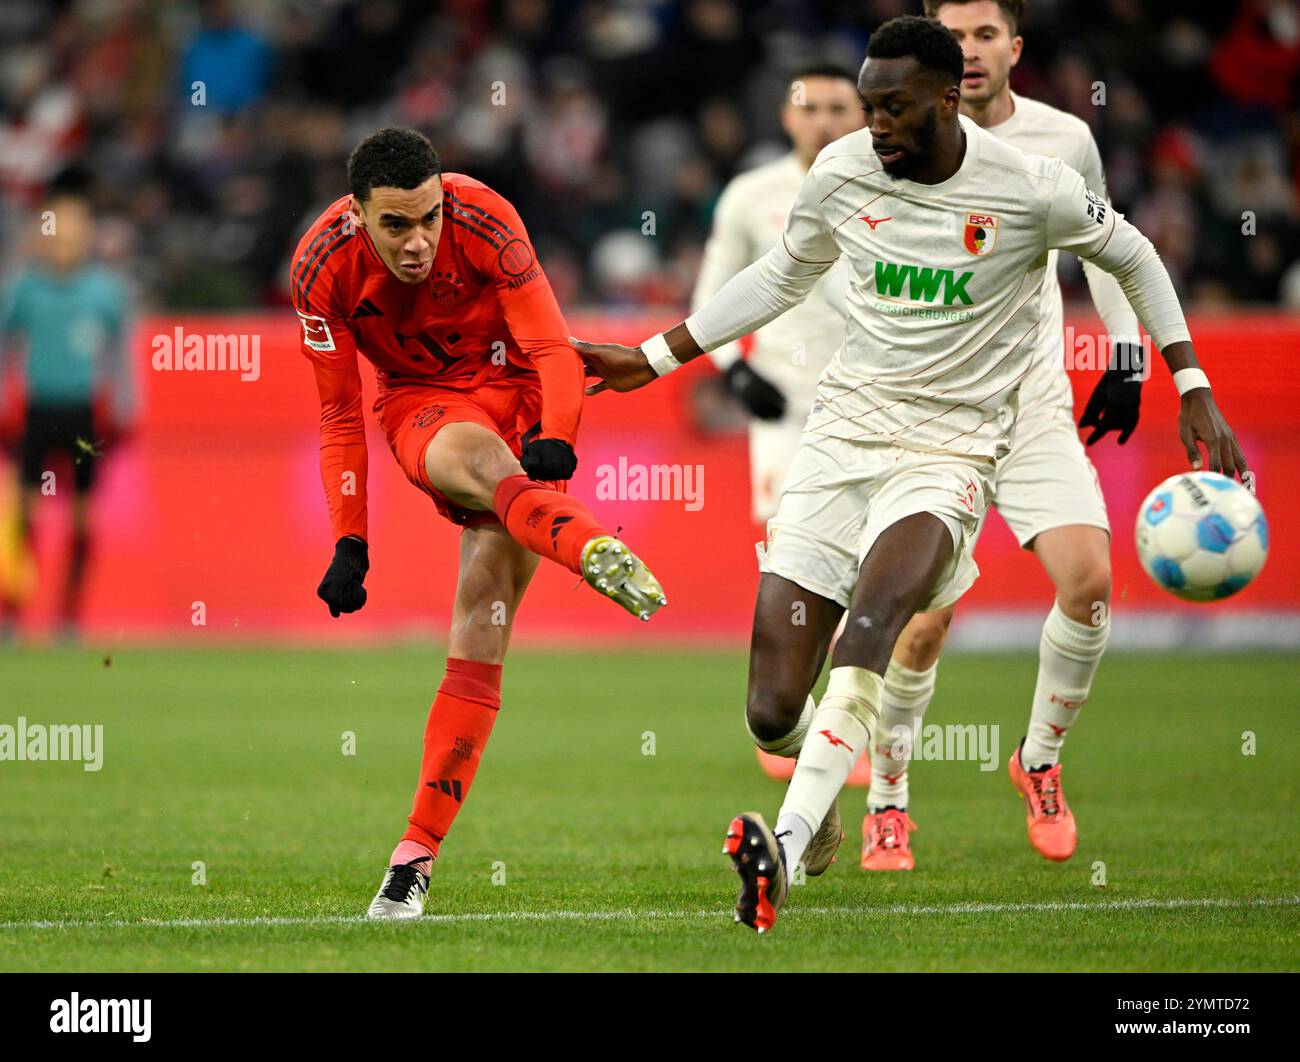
[1112, 307]
[759, 293]
[1133, 261]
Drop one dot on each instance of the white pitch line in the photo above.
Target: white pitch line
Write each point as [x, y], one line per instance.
[1174, 904]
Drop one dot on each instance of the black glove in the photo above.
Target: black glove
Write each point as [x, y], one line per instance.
[1115, 401]
[546, 458]
[341, 588]
[756, 393]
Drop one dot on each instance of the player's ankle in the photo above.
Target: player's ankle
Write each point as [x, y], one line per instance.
[408, 851]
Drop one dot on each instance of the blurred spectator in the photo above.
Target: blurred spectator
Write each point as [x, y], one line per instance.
[228, 64]
[606, 121]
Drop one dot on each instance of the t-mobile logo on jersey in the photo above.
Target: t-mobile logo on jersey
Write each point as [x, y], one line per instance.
[635, 482]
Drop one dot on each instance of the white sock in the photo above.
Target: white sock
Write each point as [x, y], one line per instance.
[838, 736]
[789, 744]
[903, 702]
[1068, 655]
[800, 834]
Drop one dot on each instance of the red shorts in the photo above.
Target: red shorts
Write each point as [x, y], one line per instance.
[412, 414]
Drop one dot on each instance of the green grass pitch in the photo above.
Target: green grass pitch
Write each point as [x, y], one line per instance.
[577, 851]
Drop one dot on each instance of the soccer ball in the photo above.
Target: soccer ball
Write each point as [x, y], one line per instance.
[1201, 536]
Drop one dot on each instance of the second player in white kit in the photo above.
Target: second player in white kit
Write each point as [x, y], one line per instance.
[778, 382]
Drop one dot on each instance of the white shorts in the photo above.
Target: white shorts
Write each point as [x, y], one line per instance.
[772, 446]
[1047, 481]
[841, 495]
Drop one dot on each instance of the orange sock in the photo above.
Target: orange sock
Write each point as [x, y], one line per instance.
[549, 523]
[460, 723]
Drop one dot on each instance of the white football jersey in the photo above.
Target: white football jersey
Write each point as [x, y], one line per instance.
[793, 350]
[944, 287]
[1039, 129]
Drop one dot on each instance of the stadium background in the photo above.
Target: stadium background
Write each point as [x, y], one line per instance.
[611, 110]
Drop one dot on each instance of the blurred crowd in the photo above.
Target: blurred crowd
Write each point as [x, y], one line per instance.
[213, 132]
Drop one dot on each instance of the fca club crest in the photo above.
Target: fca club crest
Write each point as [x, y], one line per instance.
[980, 234]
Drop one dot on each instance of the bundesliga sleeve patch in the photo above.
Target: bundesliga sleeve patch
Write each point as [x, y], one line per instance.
[316, 333]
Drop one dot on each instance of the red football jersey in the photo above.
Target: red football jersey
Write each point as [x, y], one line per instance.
[486, 312]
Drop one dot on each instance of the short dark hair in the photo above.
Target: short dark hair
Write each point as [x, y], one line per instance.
[1012, 10]
[923, 39]
[392, 158]
[830, 70]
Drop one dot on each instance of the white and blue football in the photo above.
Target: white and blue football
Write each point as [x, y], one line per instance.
[1202, 536]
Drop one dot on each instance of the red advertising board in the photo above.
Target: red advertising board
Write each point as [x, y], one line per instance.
[216, 499]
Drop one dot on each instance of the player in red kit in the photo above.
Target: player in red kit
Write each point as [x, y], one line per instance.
[432, 277]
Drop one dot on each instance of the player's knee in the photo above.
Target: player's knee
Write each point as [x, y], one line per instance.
[1087, 593]
[922, 639]
[772, 713]
[488, 464]
[466, 462]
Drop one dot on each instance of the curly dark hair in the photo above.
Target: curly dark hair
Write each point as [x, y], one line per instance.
[924, 39]
[391, 158]
[1012, 10]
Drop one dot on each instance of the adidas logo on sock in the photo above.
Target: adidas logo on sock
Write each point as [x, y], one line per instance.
[451, 788]
[557, 525]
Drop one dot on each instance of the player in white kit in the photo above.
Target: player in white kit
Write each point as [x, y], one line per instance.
[778, 381]
[914, 412]
[1045, 489]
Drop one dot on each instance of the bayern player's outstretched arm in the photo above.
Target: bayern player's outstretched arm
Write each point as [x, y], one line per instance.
[1080, 221]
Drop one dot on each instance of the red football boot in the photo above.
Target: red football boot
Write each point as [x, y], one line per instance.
[1047, 814]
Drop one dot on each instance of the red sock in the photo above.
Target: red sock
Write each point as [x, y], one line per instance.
[551, 524]
[460, 723]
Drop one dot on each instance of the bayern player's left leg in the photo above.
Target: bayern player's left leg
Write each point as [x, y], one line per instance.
[494, 572]
[473, 467]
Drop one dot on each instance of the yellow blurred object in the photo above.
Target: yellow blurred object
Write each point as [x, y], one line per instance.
[17, 562]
